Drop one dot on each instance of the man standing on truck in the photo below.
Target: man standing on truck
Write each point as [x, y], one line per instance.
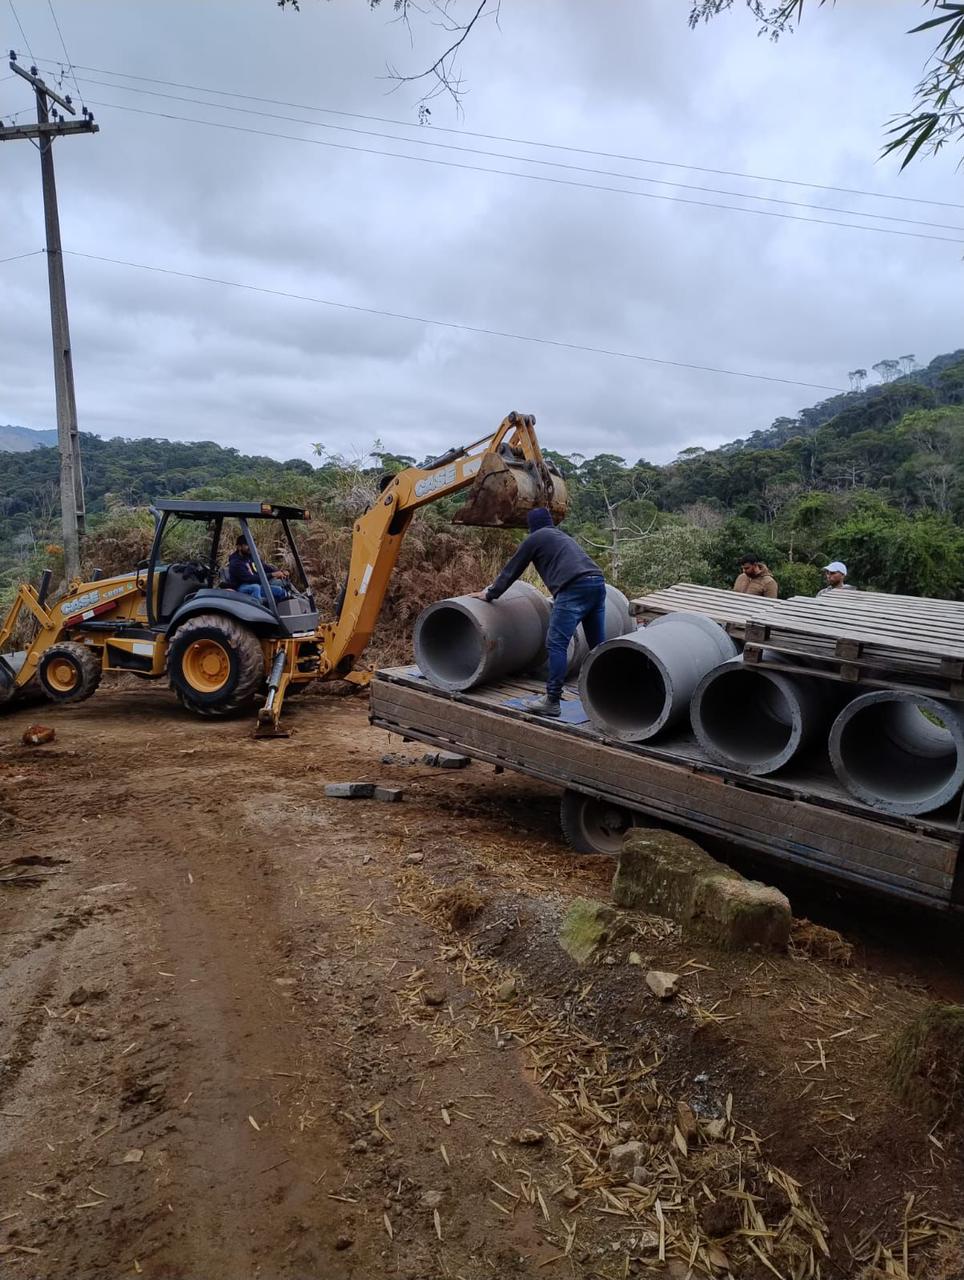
[755, 578]
[579, 595]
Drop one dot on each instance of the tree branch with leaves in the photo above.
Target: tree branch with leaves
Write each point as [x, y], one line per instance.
[936, 116]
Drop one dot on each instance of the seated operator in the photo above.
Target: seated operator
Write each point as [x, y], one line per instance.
[243, 575]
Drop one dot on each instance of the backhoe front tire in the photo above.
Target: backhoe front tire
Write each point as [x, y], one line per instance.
[68, 672]
[215, 665]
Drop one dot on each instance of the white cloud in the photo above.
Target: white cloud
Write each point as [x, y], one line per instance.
[159, 355]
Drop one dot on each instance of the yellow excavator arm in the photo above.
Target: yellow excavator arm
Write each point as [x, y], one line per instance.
[509, 477]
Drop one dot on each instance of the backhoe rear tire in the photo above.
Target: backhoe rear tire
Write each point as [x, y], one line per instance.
[215, 665]
[68, 672]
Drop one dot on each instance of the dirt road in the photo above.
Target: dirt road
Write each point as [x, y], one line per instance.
[245, 1031]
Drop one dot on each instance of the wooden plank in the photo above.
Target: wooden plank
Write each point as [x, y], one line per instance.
[912, 605]
[804, 626]
[678, 793]
[728, 605]
[848, 673]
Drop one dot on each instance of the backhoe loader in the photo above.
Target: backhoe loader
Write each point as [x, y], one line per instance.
[220, 649]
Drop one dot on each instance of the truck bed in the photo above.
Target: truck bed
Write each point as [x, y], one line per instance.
[804, 818]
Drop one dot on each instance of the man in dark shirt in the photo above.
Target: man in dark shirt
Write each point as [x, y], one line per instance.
[243, 575]
[579, 592]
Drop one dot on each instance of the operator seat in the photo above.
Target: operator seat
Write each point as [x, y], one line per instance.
[180, 581]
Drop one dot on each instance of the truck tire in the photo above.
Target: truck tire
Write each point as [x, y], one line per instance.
[68, 672]
[215, 665]
[593, 826]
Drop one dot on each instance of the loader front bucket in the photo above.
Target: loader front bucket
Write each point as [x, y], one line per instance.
[506, 489]
[10, 664]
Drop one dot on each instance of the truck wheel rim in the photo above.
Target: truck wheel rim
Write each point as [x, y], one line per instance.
[206, 666]
[604, 825]
[62, 675]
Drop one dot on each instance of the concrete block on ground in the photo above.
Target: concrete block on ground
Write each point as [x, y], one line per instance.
[668, 875]
[448, 760]
[388, 795]
[657, 870]
[349, 790]
[585, 928]
[740, 914]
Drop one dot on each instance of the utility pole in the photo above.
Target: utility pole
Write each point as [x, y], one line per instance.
[68, 438]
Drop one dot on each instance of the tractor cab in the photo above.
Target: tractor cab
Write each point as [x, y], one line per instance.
[187, 569]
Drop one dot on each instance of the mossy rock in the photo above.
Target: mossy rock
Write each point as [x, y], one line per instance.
[585, 927]
[657, 870]
[740, 914]
[927, 1064]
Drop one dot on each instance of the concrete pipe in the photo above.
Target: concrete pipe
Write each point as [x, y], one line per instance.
[462, 642]
[634, 686]
[886, 752]
[756, 719]
[619, 621]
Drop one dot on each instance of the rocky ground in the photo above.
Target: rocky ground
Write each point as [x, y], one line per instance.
[247, 1031]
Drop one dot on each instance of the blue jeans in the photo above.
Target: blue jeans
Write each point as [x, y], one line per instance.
[581, 601]
[253, 589]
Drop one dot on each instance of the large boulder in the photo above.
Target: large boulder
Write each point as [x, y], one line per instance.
[668, 875]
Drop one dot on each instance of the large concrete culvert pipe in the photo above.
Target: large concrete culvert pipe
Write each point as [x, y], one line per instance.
[756, 719]
[886, 751]
[636, 685]
[462, 642]
[619, 622]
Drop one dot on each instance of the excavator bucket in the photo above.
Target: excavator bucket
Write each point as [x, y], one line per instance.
[507, 488]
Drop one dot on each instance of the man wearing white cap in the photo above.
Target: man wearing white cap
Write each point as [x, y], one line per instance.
[835, 574]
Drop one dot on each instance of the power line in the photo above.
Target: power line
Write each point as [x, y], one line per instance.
[555, 164]
[22, 32]
[18, 257]
[526, 142]
[528, 177]
[452, 324]
[63, 44]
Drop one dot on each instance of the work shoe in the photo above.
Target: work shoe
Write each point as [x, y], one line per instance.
[547, 706]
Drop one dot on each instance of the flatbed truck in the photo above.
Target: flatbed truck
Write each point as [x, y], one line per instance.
[802, 819]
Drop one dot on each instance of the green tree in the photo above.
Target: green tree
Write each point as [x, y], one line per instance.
[886, 550]
[674, 553]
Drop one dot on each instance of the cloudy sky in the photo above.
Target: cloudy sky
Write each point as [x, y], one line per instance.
[160, 355]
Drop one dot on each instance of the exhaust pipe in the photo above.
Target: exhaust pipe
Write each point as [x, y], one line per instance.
[756, 719]
[890, 755]
[462, 642]
[635, 686]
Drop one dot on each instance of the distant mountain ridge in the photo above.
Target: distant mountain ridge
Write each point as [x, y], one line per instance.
[933, 376]
[22, 439]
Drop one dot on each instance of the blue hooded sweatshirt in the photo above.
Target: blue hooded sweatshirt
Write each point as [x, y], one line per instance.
[558, 558]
